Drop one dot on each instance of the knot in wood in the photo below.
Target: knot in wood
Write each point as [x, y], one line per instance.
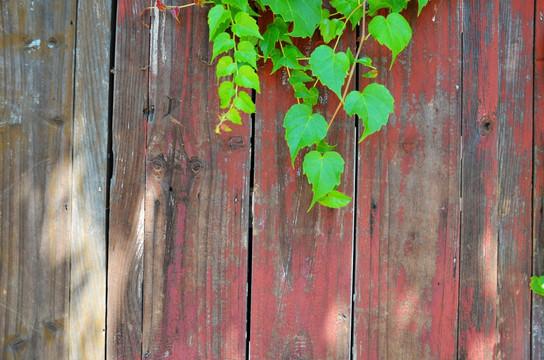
[18, 344]
[236, 142]
[408, 145]
[195, 165]
[486, 125]
[52, 326]
[159, 164]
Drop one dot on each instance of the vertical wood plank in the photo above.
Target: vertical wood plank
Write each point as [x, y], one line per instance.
[537, 330]
[408, 199]
[126, 232]
[36, 67]
[302, 261]
[90, 143]
[197, 203]
[495, 263]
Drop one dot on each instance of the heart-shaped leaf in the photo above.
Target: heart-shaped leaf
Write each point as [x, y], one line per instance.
[305, 14]
[247, 77]
[330, 68]
[537, 284]
[323, 172]
[373, 105]
[335, 199]
[393, 32]
[302, 128]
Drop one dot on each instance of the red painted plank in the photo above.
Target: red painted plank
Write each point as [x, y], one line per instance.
[495, 302]
[301, 280]
[197, 203]
[408, 199]
[538, 179]
[125, 260]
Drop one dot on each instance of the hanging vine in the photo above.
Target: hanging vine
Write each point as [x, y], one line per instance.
[238, 43]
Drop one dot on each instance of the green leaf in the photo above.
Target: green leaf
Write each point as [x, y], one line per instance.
[309, 96]
[323, 147]
[393, 5]
[225, 66]
[298, 76]
[335, 199]
[371, 74]
[323, 172]
[245, 25]
[305, 14]
[217, 20]
[421, 4]
[302, 128]
[347, 7]
[270, 38]
[247, 77]
[245, 52]
[290, 60]
[393, 32]
[244, 103]
[537, 284]
[366, 61]
[221, 44]
[330, 68]
[242, 5]
[330, 29]
[226, 92]
[373, 105]
[234, 116]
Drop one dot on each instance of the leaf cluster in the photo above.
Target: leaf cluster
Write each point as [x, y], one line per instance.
[239, 42]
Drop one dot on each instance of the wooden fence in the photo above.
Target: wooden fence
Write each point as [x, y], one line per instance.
[129, 230]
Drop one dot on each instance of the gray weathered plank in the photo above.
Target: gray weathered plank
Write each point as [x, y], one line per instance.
[126, 235]
[537, 330]
[36, 67]
[496, 239]
[90, 137]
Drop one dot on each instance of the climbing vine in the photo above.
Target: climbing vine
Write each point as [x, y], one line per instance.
[239, 42]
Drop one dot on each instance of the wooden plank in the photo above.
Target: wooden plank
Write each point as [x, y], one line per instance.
[36, 63]
[302, 261]
[90, 144]
[408, 199]
[537, 330]
[495, 262]
[197, 203]
[126, 232]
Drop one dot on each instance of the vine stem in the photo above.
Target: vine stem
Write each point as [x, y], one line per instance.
[352, 70]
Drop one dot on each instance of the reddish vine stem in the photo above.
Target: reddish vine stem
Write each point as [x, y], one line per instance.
[352, 70]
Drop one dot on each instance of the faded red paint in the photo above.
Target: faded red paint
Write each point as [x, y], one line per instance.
[406, 279]
[301, 288]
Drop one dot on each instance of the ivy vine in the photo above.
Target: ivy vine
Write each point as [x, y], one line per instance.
[239, 42]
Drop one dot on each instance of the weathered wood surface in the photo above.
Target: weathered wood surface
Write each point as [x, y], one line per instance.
[537, 321]
[408, 200]
[197, 203]
[89, 188]
[36, 63]
[126, 222]
[302, 261]
[497, 113]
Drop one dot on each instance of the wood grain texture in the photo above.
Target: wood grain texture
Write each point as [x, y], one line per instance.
[89, 171]
[126, 232]
[197, 203]
[537, 330]
[408, 199]
[495, 301]
[302, 261]
[36, 67]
